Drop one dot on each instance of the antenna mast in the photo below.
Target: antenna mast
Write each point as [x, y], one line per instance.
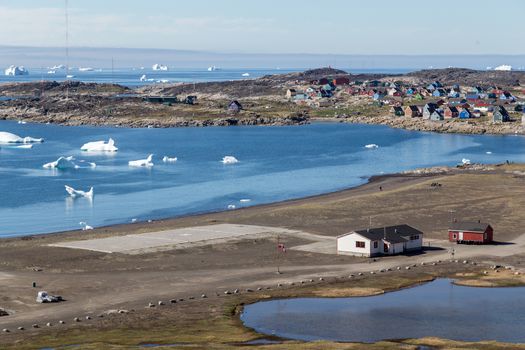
[67, 51]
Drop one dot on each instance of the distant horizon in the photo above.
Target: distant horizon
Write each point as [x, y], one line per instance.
[102, 57]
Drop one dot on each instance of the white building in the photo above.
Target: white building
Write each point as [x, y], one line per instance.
[380, 241]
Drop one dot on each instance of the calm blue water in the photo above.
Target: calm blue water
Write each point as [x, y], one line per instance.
[131, 76]
[437, 309]
[276, 163]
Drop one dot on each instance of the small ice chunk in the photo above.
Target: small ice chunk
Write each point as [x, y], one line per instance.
[245, 74]
[100, 146]
[229, 160]
[159, 67]
[167, 159]
[79, 193]
[62, 163]
[85, 69]
[231, 206]
[143, 77]
[371, 146]
[16, 70]
[7, 137]
[488, 152]
[22, 122]
[504, 67]
[148, 162]
[85, 226]
[245, 200]
[465, 161]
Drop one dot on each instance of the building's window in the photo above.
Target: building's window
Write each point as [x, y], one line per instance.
[375, 244]
[454, 236]
[413, 238]
[359, 244]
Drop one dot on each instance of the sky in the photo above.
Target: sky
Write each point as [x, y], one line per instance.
[271, 26]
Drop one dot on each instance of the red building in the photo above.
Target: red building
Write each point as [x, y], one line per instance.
[470, 233]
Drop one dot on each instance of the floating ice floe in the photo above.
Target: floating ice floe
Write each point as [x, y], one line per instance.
[64, 163]
[231, 206]
[504, 67]
[371, 146]
[78, 193]
[465, 161]
[85, 226]
[7, 137]
[163, 81]
[51, 72]
[58, 66]
[245, 200]
[159, 67]
[16, 70]
[70, 76]
[143, 77]
[488, 152]
[26, 146]
[22, 122]
[85, 69]
[167, 159]
[245, 74]
[148, 162]
[229, 160]
[212, 68]
[100, 146]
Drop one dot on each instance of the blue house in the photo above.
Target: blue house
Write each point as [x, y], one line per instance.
[453, 94]
[410, 91]
[436, 115]
[465, 114]
[378, 95]
[439, 92]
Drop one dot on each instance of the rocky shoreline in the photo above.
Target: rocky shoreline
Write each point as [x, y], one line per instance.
[452, 126]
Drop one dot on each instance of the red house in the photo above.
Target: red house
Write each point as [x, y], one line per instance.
[470, 233]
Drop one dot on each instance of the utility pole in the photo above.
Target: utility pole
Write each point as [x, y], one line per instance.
[67, 51]
[277, 252]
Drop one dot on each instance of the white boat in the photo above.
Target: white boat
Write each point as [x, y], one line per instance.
[100, 146]
[78, 193]
[229, 160]
[142, 163]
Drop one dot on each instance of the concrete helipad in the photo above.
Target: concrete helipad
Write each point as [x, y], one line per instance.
[143, 242]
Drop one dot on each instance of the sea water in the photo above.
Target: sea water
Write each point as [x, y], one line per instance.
[275, 163]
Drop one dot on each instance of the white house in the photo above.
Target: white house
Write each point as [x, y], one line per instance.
[380, 241]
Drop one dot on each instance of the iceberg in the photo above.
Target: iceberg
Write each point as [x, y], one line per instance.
[167, 159]
[58, 66]
[212, 68]
[16, 70]
[51, 71]
[7, 137]
[78, 193]
[163, 81]
[157, 66]
[143, 77]
[245, 200]
[85, 69]
[231, 206]
[64, 163]
[504, 67]
[488, 152]
[22, 122]
[70, 76]
[100, 146]
[142, 162]
[371, 146]
[245, 74]
[465, 161]
[229, 160]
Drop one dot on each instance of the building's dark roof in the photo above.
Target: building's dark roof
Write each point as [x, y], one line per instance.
[394, 234]
[469, 226]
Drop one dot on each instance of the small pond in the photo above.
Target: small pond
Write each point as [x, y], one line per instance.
[439, 309]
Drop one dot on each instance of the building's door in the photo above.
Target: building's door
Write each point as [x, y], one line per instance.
[460, 236]
[385, 248]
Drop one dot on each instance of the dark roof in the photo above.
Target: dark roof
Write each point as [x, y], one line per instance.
[469, 226]
[394, 234]
[414, 108]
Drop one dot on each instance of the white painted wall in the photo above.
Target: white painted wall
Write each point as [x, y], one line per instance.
[415, 244]
[347, 245]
